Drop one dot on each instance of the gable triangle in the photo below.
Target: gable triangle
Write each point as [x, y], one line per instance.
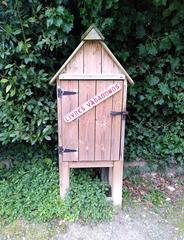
[92, 33]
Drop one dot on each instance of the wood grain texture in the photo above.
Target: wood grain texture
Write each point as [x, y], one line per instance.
[59, 117]
[110, 67]
[91, 164]
[124, 97]
[117, 62]
[84, 77]
[71, 57]
[117, 183]
[92, 65]
[103, 125]
[70, 131]
[65, 178]
[116, 125]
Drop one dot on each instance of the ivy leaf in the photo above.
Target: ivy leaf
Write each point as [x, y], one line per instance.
[38, 8]
[9, 66]
[142, 49]
[13, 93]
[164, 89]
[8, 88]
[140, 31]
[165, 44]
[152, 50]
[67, 28]
[4, 80]
[48, 138]
[153, 80]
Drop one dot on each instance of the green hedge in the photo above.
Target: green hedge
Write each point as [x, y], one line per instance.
[146, 36]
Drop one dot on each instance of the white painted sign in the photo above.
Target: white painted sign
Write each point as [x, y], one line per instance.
[91, 103]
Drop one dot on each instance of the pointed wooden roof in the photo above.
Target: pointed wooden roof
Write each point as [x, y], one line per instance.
[92, 34]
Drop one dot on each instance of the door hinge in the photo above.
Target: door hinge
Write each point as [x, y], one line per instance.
[62, 92]
[66, 150]
[123, 114]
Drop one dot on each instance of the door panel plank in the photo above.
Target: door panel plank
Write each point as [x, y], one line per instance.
[103, 125]
[69, 102]
[116, 124]
[92, 65]
[110, 67]
[69, 130]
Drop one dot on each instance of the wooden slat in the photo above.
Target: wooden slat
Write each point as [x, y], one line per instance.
[91, 164]
[70, 102]
[92, 65]
[59, 117]
[65, 178]
[91, 76]
[75, 52]
[117, 183]
[116, 125]
[111, 67]
[123, 121]
[117, 62]
[69, 130]
[103, 125]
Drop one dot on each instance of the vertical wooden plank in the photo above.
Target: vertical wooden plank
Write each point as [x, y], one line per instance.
[92, 64]
[110, 67]
[70, 102]
[110, 177]
[59, 116]
[103, 117]
[117, 183]
[116, 125]
[69, 130]
[65, 178]
[123, 121]
[103, 125]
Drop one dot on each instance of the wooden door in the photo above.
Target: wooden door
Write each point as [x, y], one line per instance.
[96, 134]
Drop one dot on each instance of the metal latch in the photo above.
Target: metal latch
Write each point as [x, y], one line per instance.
[62, 92]
[66, 150]
[123, 114]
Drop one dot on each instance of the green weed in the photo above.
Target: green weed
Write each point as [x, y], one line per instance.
[156, 197]
[30, 190]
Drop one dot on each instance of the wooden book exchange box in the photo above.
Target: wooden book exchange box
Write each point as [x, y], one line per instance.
[91, 105]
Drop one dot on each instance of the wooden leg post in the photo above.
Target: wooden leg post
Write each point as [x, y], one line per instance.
[117, 179]
[64, 178]
[110, 177]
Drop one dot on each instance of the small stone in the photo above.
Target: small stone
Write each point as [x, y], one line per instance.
[168, 199]
[61, 222]
[170, 188]
[153, 174]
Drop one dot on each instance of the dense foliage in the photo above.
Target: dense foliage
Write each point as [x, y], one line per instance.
[30, 190]
[146, 36]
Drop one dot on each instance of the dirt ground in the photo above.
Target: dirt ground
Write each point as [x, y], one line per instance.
[131, 223]
[139, 219]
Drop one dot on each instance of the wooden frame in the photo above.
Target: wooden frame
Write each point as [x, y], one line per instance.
[115, 180]
[62, 69]
[85, 77]
[97, 134]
